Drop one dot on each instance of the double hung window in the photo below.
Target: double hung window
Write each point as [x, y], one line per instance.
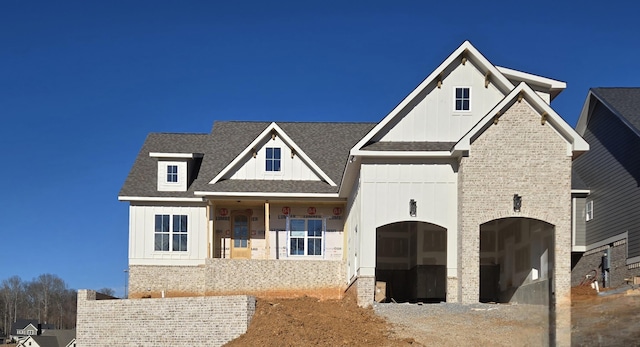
[305, 236]
[170, 233]
[589, 211]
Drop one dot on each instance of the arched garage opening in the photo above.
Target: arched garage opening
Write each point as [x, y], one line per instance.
[411, 262]
[516, 261]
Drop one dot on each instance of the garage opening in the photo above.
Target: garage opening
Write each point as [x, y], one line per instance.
[516, 261]
[411, 262]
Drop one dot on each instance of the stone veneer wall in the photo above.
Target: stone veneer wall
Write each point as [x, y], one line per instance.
[194, 321]
[318, 278]
[517, 156]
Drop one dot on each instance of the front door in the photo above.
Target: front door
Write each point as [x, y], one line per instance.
[240, 243]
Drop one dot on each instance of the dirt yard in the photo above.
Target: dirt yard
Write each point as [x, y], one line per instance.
[596, 321]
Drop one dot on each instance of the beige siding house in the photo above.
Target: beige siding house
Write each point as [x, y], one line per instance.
[462, 193]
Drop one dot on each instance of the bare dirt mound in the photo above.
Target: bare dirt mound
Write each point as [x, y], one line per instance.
[308, 321]
[610, 320]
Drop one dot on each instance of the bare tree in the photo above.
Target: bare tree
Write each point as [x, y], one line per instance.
[107, 291]
[12, 290]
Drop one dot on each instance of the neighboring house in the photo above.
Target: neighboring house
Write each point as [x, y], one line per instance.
[22, 328]
[610, 123]
[51, 338]
[461, 193]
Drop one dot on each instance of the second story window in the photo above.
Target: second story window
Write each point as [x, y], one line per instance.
[172, 173]
[273, 159]
[589, 211]
[463, 99]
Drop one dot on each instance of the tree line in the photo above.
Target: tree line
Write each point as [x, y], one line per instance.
[46, 298]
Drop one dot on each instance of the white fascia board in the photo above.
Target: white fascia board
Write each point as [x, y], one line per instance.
[175, 155]
[472, 53]
[531, 78]
[151, 198]
[559, 125]
[402, 154]
[580, 191]
[266, 132]
[265, 194]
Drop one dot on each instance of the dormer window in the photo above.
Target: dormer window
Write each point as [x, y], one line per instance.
[462, 99]
[273, 159]
[172, 173]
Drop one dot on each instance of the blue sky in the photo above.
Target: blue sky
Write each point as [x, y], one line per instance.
[83, 82]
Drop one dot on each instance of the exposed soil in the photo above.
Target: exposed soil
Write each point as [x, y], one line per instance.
[596, 321]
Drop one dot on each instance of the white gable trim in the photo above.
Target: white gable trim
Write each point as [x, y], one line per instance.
[578, 144]
[299, 152]
[471, 53]
[263, 194]
[152, 198]
[175, 155]
[531, 78]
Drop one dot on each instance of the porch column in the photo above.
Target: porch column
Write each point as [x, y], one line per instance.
[267, 230]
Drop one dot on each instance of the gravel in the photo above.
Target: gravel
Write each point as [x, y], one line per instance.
[467, 325]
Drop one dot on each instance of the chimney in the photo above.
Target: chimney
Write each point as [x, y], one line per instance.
[39, 329]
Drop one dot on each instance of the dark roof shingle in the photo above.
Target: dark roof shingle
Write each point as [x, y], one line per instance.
[626, 101]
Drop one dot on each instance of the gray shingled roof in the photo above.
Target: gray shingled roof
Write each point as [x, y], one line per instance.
[626, 101]
[143, 178]
[409, 146]
[326, 144]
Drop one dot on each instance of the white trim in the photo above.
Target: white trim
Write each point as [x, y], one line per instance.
[403, 154]
[588, 216]
[455, 99]
[575, 248]
[553, 119]
[580, 191]
[266, 132]
[531, 78]
[157, 198]
[175, 155]
[264, 194]
[607, 241]
[471, 53]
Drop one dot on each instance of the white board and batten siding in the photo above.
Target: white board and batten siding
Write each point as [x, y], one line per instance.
[432, 185]
[434, 119]
[292, 169]
[142, 236]
[163, 185]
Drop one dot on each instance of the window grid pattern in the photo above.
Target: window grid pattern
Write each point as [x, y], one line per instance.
[273, 159]
[174, 238]
[172, 173]
[463, 99]
[305, 237]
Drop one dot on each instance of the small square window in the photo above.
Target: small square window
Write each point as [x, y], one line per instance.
[463, 99]
[273, 159]
[589, 211]
[172, 173]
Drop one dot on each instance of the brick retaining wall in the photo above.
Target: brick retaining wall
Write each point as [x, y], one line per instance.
[319, 278]
[194, 321]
